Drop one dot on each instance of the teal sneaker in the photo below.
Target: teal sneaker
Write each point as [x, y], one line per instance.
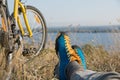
[65, 53]
[81, 55]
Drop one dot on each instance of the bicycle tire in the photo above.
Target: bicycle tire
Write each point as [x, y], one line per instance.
[38, 37]
[4, 42]
[3, 27]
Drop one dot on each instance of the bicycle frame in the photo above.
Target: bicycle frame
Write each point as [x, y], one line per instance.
[18, 4]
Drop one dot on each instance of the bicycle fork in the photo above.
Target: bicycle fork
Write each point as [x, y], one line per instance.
[23, 10]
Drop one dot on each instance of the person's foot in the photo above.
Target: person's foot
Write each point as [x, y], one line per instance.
[81, 55]
[65, 53]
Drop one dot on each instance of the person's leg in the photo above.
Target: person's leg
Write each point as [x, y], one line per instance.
[65, 54]
[71, 70]
[76, 72]
[69, 60]
[107, 76]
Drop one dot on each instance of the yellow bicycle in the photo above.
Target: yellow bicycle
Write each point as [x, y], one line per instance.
[31, 26]
[26, 26]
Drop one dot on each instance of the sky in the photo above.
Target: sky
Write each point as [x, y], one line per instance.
[77, 12]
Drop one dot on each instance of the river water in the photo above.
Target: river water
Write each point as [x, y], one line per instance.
[110, 41]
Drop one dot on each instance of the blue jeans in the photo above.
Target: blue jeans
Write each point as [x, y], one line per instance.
[75, 72]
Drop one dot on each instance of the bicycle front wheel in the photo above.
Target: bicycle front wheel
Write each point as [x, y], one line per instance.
[33, 45]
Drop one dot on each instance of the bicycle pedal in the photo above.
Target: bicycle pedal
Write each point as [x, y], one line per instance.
[30, 51]
[25, 52]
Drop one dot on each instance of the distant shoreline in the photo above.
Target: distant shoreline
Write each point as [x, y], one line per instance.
[85, 29]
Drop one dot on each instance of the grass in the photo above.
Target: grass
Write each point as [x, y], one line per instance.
[99, 59]
[42, 66]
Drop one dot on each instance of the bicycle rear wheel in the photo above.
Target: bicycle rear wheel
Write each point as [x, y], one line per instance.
[37, 23]
[3, 28]
[4, 44]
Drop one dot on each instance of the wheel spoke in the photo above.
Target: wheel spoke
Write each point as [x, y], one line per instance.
[38, 27]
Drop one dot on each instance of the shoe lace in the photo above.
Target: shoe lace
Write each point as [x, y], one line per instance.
[73, 56]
